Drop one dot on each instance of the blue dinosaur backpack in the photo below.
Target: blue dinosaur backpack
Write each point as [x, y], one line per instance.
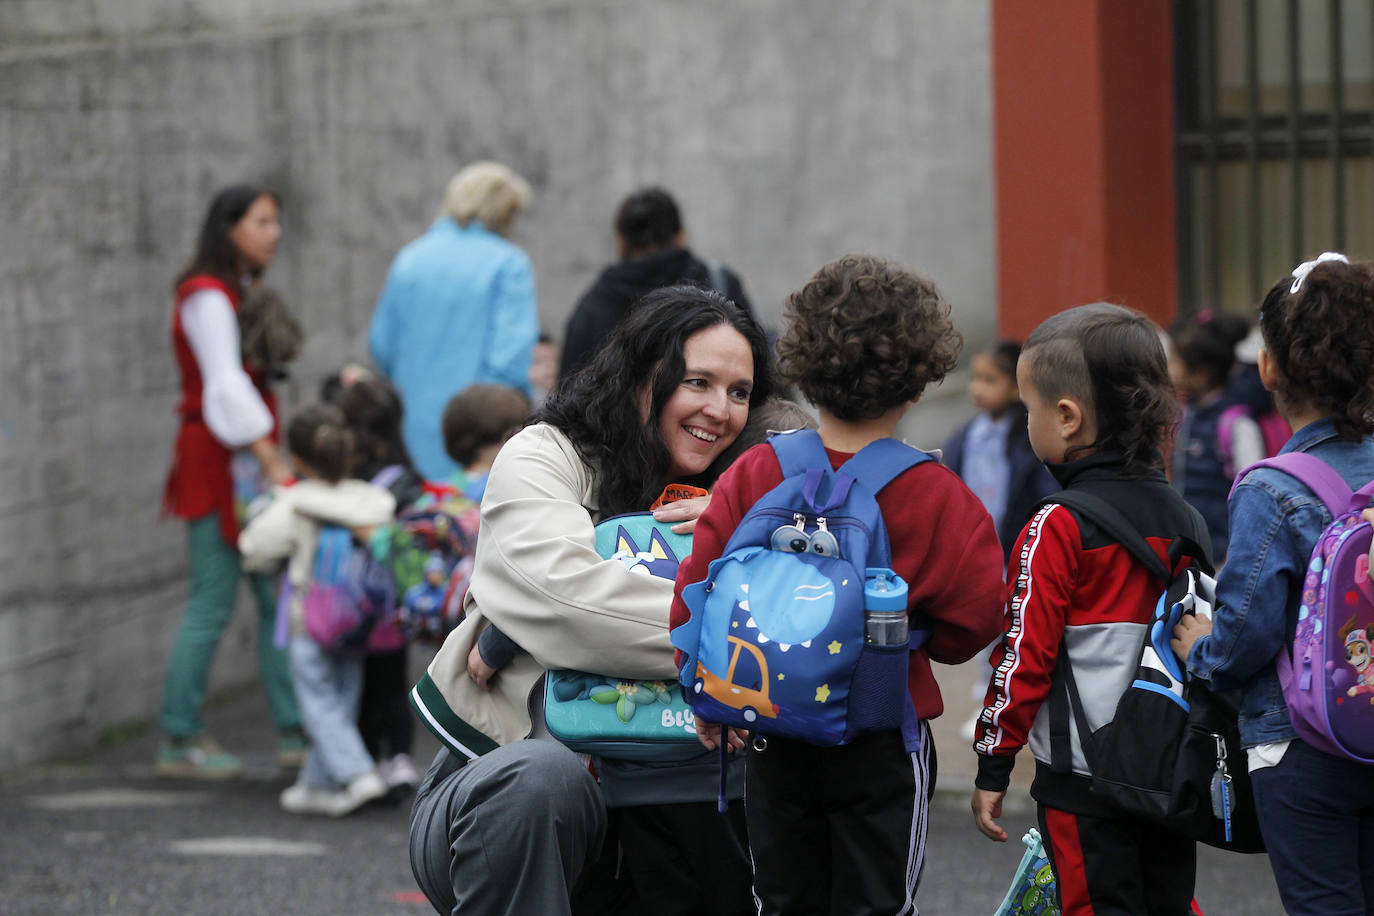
[609, 716]
[779, 641]
[1328, 675]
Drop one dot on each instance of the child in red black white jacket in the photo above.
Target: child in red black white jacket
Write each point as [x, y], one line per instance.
[1095, 382]
[843, 829]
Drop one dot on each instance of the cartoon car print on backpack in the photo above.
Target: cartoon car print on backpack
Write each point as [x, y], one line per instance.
[752, 702]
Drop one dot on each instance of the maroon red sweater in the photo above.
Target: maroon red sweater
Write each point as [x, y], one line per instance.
[943, 544]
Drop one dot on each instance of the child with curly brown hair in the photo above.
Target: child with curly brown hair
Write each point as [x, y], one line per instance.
[842, 829]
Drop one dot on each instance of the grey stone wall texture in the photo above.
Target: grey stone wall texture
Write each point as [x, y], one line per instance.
[791, 131]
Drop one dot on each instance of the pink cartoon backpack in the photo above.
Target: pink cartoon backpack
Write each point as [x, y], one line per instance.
[1328, 678]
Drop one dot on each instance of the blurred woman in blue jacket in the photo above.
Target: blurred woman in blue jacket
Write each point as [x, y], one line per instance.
[458, 308]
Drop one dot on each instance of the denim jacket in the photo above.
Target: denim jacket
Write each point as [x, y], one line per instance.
[1275, 522]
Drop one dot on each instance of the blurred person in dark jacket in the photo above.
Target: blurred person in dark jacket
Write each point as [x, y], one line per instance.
[653, 252]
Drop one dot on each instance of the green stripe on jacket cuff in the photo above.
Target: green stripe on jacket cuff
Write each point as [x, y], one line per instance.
[457, 735]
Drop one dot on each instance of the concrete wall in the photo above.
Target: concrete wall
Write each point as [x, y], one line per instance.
[791, 132]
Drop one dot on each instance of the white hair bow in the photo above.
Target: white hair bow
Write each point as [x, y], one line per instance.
[1302, 270]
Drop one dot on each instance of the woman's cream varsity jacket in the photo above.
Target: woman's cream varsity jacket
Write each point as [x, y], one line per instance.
[538, 577]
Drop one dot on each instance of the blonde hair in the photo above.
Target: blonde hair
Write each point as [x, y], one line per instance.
[488, 192]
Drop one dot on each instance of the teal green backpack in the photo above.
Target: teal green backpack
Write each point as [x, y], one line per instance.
[609, 717]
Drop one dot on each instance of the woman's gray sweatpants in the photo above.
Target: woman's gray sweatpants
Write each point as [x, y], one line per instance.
[508, 833]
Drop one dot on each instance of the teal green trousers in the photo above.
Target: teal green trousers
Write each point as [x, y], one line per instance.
[215, 572]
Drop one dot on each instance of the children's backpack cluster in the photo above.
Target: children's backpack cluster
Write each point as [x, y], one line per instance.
[408, 585]
[350, 593]
[430, 557]
[779, 641]
[1328, 678]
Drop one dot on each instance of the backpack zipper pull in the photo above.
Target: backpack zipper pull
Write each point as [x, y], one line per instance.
[823, 543]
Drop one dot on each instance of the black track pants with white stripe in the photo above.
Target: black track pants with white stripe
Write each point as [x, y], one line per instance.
[839, 829]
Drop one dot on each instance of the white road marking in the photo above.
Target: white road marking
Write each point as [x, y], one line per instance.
[116, 798]
[245, 846]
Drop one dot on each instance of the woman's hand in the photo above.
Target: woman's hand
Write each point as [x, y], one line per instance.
[683, 511]
[708, 733]
[987, 807]
[1188, 631]
[479, 671]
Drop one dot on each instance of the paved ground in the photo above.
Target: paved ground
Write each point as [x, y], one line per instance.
[102, 835]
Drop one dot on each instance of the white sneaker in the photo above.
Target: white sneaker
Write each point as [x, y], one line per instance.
[302, 799]
[399, 772]
[365, 787]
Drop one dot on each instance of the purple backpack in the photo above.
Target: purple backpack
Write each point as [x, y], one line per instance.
[1328, 679]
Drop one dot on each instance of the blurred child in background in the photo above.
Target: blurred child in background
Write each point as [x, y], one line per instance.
[477, 422]
[338, 775]
[544, 367]
[1217, 436]
[992, 452]
[372, 409]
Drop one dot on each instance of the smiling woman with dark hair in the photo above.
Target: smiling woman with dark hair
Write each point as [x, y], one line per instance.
[658, 406]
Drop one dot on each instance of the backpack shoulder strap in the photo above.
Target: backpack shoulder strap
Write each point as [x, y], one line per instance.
[882, 461]
[1311, 472]
[798, 450]
[1116, 524]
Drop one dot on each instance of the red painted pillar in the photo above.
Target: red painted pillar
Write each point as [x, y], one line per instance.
[1084, 150]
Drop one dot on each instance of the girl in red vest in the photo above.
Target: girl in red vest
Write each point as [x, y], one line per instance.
[227, 415]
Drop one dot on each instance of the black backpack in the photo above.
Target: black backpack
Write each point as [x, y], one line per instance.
[1171, 753]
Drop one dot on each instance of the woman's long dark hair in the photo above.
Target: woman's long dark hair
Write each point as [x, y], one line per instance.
[215, 253]
[598, 407]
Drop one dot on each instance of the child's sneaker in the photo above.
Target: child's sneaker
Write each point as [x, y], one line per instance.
[291, 748]
[365, 787]
[197, 757]
[302, 799]
[399, 773]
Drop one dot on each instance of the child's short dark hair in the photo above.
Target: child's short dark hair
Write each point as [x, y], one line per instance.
[1111, 360]
[482, 415]
[1321, 339]
[1206, 342]
[773, 415]
[865, 335]
[320, 437]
